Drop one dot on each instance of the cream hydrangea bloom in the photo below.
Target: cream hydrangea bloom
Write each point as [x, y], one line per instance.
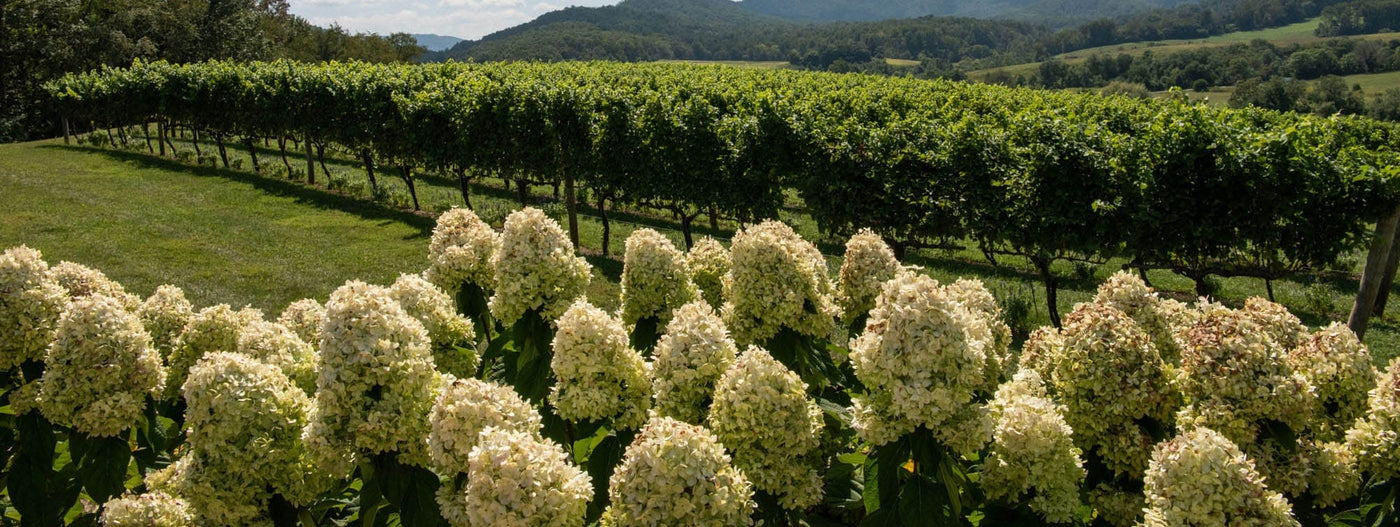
[304, 317]
[1160, 318]
[536, 268]
[923, 365]
[101, 368]
[1334, 477]
[598, 376]
[1113, 384]
[460, 251]
[1339, 367]
[80, 281]
[214, 500]
[676, 473]
[154, 509]
[709, 263]
[778, 280]
[868, 264]
[274, 344]
[1033, 451]
[516, 479]
[1234, 376]
[688, 361]
[376, 380]
[655, 278]
[31, 303]
[974, 296]
[1280, 325]
[762, 413]
[244, 420]
[1201, 478]
[1375, 439]
[453, 336]
[214, 328]
[463, 410]
[164, 315]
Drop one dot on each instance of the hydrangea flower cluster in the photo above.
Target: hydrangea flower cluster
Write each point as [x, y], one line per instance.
[214, 328]
[376, 382]
[244, 421]
[1112, 382]
[1339, 368]
[101, 368]
[453, 336]
[1234, 376]
[212, 499]
[1375, 440]
[30, 305]
[80, 281]
[655, 278]
[868, 264]
[688, 361]
[463, 410]
[923, 363]
[274, 344]
[598, 375]
[164, 315]
[154, 509]
[1334, 477]
[676, 473]
[762, 413]
[460, 251]
[536, 268]
[517, 479]
[304, 317]
[1033, 451]
[1160, 318]
[709, 263]
[1279, 324]
[1201, 478]
[778, 280]
[974, 296]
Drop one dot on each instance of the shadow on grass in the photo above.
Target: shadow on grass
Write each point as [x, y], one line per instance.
[303, 194]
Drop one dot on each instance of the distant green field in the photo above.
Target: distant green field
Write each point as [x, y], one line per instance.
[902, 63]
[765, 65]
[1375, 83]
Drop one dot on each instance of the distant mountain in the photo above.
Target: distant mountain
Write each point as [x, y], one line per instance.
[1053, 13]
[436, 42]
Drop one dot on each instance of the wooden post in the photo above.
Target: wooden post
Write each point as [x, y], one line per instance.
[310, 162]
[65, 131]
[1371, 278]
[571, 204]
[1383, 295]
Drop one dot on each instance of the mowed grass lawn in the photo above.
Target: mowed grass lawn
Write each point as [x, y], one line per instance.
[230, 236]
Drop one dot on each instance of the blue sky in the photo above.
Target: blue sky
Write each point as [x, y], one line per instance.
[470, 19]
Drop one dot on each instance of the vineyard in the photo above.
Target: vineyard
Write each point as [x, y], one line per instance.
[727, 390]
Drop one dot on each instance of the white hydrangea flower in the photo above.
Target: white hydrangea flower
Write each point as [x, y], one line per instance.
[762, 413]
[274, 344]
[1234, 376]
[598, 375]
[974, 296]
[1160, 318]
[1339, 367]
[709, 263]
[688, 361]
[516, 479]
[101, 368]
[214, 500]
[1201, 478]
[676, 473]
[778, 280]
[1334, 477]
[536, 269]
[376, 380]
[463, 410]
[31, 303]
[922, 366]
[154, 509]
[214, 328]
[460, 251]
[1280, 325]
[1112, 382]
[1375, 439]
[868, 264]
[1115, 506]
[453, 336]
[655, 278]
[80, 281]
[1033, 451]
[244, 420]
[304, 317]
[164, 315]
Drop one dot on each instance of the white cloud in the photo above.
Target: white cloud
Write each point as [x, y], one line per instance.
[470, 19]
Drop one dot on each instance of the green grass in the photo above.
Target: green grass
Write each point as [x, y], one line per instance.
[1375, 83]
[902, 63]
[236, 237]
